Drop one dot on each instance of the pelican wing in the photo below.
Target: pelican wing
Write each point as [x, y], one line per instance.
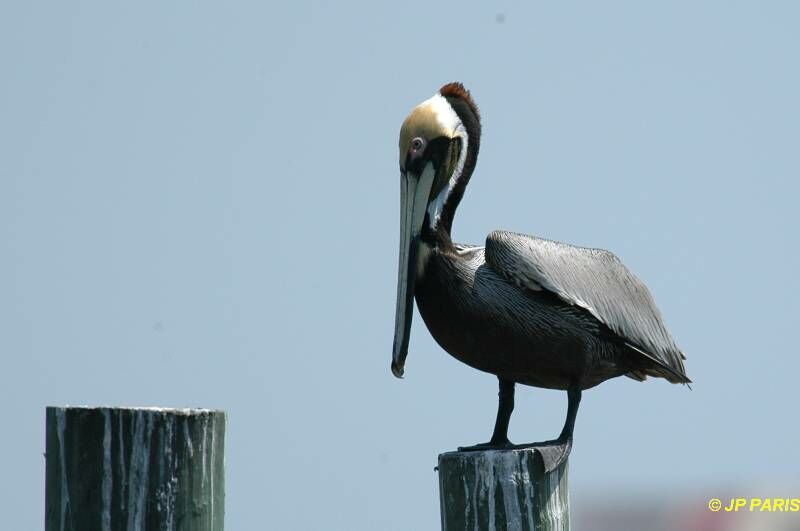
[597, 281]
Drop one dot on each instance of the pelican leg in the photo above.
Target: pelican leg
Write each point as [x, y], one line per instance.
[553, 452]
[505, 405]
[574, 397]
[556, 452]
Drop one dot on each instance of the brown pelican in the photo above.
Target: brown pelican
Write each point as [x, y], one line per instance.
[529, 310]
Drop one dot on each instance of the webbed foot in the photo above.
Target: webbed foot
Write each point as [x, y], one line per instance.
[503, 444]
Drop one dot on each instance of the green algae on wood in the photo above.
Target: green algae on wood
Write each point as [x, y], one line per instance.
[134, 469]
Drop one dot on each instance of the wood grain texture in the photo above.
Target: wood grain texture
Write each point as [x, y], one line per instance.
[126, 469]
[502, 490]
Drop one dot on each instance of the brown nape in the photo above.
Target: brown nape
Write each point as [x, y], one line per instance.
[457, 90]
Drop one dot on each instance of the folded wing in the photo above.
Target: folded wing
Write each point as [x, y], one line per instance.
[597, 281]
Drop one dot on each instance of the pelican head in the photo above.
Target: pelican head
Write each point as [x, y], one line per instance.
[438, 148]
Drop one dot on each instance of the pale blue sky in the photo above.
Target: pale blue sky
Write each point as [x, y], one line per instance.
[199, 207]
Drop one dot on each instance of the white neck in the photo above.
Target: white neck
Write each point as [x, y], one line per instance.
[450, 121]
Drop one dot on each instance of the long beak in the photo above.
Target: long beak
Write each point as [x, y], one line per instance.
[414, 193]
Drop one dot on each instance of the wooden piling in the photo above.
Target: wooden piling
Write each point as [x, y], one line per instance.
[502, 490]
[134, 469]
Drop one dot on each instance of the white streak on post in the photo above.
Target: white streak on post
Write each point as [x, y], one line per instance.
[475, 496]
[140, 470]
[510, 479]
[121, 460]
[466, 505]
[557, 484]
[61, 422]
[188, 437]
[168, 483]
[213, 441]
[525, 466]
[107, 484]
[490, 497]
[204, 451]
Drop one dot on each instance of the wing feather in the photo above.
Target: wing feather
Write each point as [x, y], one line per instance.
[597, 281]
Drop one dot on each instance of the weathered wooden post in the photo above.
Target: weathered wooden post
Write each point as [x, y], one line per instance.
[134, 469]
[502, 490]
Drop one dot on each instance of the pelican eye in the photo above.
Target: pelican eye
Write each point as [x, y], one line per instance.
[417, 144]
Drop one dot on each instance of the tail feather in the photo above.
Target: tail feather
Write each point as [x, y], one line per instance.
[655, 367]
